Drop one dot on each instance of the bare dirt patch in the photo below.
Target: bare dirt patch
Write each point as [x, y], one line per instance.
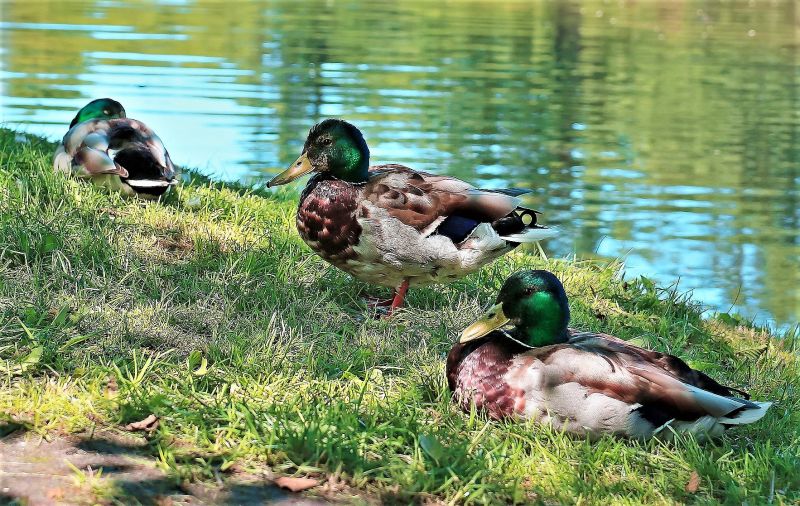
[113, 468]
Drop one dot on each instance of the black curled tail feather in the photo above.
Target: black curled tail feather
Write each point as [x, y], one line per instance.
[515, 221]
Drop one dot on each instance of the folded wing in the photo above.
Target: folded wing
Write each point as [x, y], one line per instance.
[124, 147]
[661, 386]
[451, 207]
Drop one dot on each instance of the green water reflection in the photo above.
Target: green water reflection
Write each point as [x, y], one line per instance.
[662, 132]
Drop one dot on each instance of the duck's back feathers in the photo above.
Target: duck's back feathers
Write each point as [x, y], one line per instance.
[126, 148]
[594, 385]
[419, 199]
[609, 346]
[445, 205]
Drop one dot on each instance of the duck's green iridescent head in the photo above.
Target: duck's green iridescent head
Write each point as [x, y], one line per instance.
[102, 108]
[535, 302]
[333, 146]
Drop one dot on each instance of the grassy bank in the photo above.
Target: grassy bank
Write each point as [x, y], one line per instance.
[209, 312]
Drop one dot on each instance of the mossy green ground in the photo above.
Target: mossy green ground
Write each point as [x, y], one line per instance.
[207, 310]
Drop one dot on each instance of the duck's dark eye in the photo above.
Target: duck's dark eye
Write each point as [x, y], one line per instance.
[528, 291]
[106, 111]
[326, 141]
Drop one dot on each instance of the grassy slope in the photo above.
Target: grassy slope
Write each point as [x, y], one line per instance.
[117, 294]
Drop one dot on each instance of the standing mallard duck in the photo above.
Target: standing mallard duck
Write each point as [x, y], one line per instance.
[393, 226]
[114, 151]
[583, 382]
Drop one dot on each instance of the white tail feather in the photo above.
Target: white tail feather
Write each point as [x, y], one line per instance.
[149, 183]
[531, 235]
[748, 415]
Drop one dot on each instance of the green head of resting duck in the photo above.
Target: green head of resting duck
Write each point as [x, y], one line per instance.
[102, 108]
[333, 146]
[535, 302]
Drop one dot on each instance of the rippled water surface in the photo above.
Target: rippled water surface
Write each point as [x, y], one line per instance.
[663, 133]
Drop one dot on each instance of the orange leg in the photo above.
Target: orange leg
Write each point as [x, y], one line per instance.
[387, 306]
[399, 296]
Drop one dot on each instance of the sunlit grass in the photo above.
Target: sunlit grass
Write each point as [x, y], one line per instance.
[207, 310]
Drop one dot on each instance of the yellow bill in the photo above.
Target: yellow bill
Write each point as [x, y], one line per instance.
[492, 320]
[299, 168]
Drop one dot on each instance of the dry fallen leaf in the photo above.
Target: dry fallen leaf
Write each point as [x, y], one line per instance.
[111, 385]
[150, 423]
[694, 483]
[56, 494]
[296, 484]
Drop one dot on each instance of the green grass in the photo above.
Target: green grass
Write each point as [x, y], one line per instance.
[109, 309]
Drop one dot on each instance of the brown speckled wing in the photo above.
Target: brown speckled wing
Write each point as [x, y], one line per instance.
[632, 375]
[420, 200]
[668, 363]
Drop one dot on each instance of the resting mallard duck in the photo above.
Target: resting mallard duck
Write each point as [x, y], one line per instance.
[393, 226]
[114, 151]
[582, 382]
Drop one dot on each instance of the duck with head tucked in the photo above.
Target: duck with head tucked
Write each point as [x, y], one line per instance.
[586, 383]
[393, 226]
[114, 151]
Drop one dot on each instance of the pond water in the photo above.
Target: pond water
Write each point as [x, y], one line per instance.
[664, 133]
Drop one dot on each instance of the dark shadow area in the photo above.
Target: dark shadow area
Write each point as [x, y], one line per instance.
[264, 493]
[9, 428]
[108, 446]
[149, 492]
[8, 500]
[153, 492]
